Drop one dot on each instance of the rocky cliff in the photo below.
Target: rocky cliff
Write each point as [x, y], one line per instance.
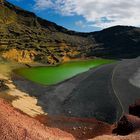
[30, 38]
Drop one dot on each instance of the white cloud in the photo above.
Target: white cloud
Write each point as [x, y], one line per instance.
[100, 13]
[80, 23]
[43, 4]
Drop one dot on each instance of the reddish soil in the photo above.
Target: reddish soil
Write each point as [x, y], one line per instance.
[17, 126]
[79, 128]
[128, 126]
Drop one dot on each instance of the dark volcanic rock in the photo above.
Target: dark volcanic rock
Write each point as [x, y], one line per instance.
[129, 123]
[135, 109]
[3, 86]
[34, 39]
[117, 42]
[124, 127]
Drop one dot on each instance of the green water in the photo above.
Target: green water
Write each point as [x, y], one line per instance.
[55, 74]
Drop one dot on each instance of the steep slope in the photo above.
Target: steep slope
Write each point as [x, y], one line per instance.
[26, 38]
[15, 125]
[24, 35]
[117, 42]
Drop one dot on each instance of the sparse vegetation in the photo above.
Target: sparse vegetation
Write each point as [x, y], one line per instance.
[24, 31]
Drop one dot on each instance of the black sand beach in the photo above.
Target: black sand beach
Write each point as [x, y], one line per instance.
[97, 93]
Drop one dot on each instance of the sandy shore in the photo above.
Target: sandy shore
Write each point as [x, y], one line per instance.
[23, 101]
[69, 99]
[18, 99]
[25, 127]
[108, 84]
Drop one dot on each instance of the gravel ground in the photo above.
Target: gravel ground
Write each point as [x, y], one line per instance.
[135, 79]
[104, 93]
[87, 95]
[125, 90]
[17, 126]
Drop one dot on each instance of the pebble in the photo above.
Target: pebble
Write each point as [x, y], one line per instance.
[69, 112]
[74, 128]
[83, 133]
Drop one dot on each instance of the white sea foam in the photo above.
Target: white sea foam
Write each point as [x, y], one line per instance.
[135, 79]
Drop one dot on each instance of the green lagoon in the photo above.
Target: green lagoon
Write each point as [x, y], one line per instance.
[51, 75]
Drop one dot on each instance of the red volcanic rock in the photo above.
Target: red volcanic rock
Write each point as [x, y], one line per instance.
[14, 125]
[129, 123]
[135, 109]
[80, 128]
[125, 126]
[17, 126]
[135, 121]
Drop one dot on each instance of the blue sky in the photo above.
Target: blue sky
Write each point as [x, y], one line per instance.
[69, 22]
[85, 15]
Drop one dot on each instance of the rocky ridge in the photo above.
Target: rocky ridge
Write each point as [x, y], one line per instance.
[26, 38]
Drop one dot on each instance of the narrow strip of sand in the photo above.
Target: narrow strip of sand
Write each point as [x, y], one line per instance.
[24, 102]
[19, 99]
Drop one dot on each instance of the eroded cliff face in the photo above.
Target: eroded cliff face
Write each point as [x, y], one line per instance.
[25, 32]
[31, 56]
[22, 33]
[23, 56]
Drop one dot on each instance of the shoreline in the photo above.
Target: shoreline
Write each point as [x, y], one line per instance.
[84, 65]
[48, 96]
[19, 99]
[30, 65]
[77, 127]
[41, 91]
